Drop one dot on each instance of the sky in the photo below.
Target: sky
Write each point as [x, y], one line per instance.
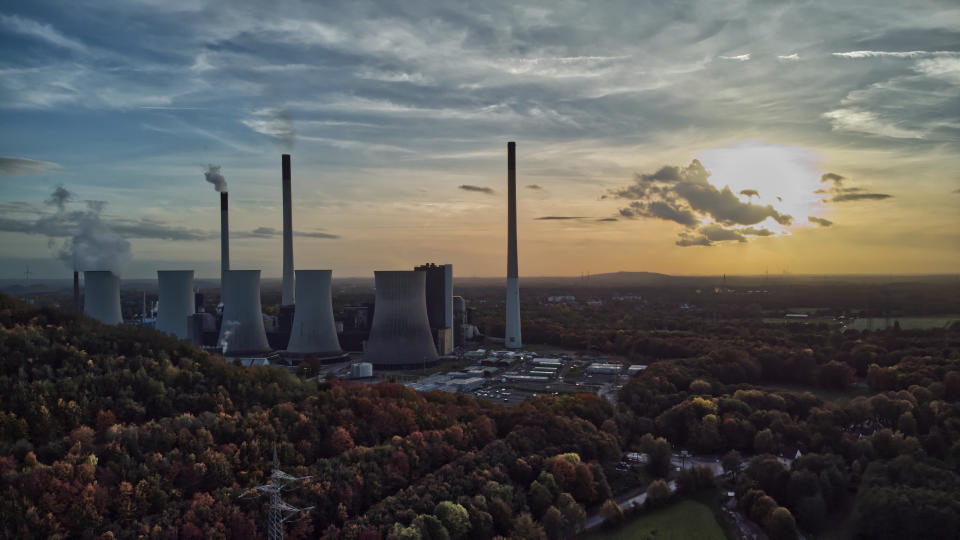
[737, 137]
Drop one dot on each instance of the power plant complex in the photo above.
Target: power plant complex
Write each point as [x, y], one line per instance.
[414, 320]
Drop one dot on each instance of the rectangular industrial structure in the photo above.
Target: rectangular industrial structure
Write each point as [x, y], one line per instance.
[440, 304]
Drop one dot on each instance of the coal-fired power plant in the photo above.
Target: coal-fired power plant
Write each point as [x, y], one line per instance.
[176, 301]
[289, 291]
[314, 331]
[242, 331]
[400, 335]
[512, 336]
[224, 237]
[101, 296]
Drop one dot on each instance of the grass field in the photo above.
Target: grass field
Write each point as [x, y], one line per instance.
[686, 520]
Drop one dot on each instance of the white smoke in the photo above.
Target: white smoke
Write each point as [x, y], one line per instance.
[229, 327]
[93, 244]
[213, 175]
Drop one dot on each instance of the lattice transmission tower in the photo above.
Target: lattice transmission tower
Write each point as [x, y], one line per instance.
[280, 511]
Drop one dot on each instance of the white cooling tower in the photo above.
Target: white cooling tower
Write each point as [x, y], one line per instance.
[101, 296]
[176, 301]
[241, 330]
[314, 330]
[512, 336]
[400, 335]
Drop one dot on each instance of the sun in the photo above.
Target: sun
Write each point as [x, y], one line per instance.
[785, 177]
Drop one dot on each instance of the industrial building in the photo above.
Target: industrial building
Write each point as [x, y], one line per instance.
[605, 369]
[361, 370]
[400, 336]
[439, 296]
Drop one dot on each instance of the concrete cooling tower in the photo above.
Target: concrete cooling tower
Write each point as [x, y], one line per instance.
[241, 331]
[176, 301]
[101, 296]
[400, 336]
[314, 330]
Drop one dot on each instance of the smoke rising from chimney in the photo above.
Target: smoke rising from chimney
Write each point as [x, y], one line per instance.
[212, 175]
[94, 245]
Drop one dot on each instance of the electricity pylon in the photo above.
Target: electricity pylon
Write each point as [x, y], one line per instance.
[280, 511]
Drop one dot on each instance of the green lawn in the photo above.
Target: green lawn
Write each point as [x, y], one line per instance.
[686, 520]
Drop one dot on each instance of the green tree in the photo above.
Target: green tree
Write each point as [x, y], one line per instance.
[454, 518]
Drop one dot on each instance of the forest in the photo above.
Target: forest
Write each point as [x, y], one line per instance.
[122, 432]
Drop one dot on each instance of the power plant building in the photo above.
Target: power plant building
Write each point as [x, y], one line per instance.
[314, 331]
[241, 330]
[101, 296]
[176, 301]
[439, 293]
[400, 336]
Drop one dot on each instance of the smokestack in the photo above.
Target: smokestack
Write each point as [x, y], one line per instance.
[512, 336]
[224, 238]
[76, 291]
[289, 297]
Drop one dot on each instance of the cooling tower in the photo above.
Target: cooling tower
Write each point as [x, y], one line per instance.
[314, 330]
[512, 337]
[176, 301]
[241, 330]
[400, 336]
[224, 238]
[289, 292]
[101, 296]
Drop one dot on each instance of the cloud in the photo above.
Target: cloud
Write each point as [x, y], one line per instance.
[739, 58]
[559, 218]
[709, 235]
[478, 189]
[749, 193]
[860, 197]
[534, 187]
[820, 221]
[607, 219]
[270, 232]
[893, 54]
[14, 166]
[275, 123]
[862, 121]
[60, 197]
[841, 191]
[41, 31]
[684, 195]
[793, 56]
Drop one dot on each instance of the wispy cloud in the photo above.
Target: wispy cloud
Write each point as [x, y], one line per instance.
[14, 166]
[820, 221]
[478, 189]
[893, 54]
[739, 57]
[793, 56]
[41, 31]
[862, 121]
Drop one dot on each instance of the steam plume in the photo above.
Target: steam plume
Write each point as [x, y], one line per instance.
[212, 175]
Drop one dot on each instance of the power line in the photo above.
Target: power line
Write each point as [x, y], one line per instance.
[280, 511]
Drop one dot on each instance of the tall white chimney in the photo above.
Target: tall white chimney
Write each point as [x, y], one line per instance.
[512, 336]
[224, 238]
[176, 301]
[289, 293]
[101, 296]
